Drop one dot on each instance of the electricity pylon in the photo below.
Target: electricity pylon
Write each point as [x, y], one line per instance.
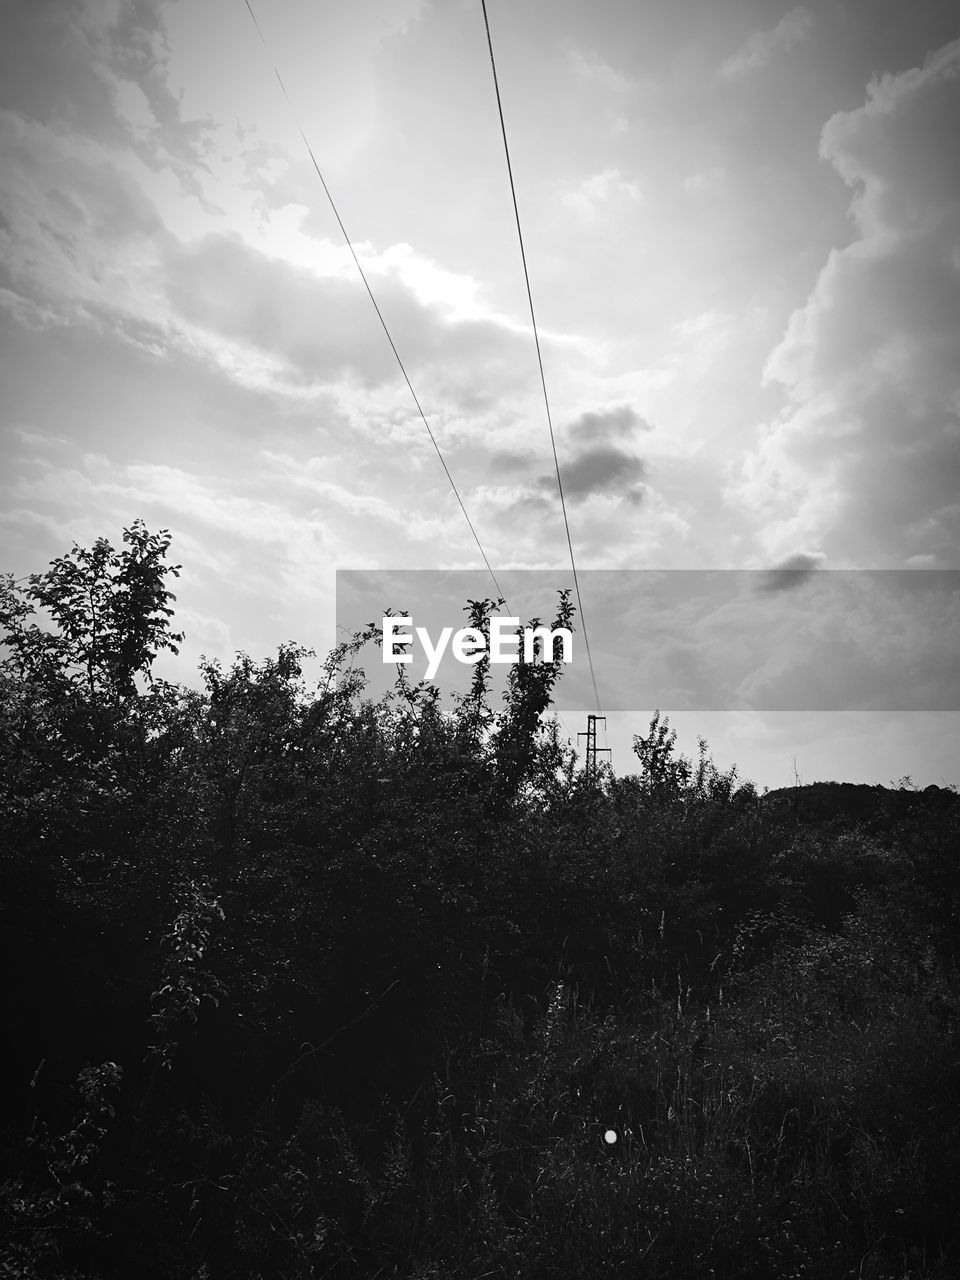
[591, 737]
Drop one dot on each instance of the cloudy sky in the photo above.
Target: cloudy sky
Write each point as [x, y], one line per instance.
[742, 224]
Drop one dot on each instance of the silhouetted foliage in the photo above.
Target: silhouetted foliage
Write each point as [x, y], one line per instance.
[302, 984]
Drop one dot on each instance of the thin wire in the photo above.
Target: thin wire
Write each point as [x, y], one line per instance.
[536, 338]
[383, 323]
[376, 307]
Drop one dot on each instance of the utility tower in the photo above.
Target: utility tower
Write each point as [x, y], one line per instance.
[591, 737]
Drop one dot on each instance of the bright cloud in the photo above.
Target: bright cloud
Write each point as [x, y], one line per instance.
[865, 459]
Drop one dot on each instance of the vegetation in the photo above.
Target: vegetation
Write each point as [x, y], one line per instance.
[303, 985]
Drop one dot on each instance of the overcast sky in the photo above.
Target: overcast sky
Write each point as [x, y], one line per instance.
[742, 224]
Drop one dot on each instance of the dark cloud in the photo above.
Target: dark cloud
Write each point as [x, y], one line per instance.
[47, 71]
[598, 466]
[60, 61]
[605, 470]
[70, 187]
[607, 424]
[791, 572]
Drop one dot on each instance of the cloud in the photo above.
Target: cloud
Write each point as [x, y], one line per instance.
[313, 477]
[709, 325]
[705, 182]
[50, 70]
[710, 639]
[98, 69]
[791, 572]
[84, 241]
[76, 223]
[792, 29]
[107, 191]
[863, 461]
[321, 328]
[124, 218]
[318, 329]
[600, 464]
[591, 69]
[891, 150]
[606, 424]
[605, 189]
[604, 470]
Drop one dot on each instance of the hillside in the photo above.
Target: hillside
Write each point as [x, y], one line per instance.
[877, 807]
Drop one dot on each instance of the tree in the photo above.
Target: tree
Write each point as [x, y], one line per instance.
[527, 697]
[661, 771]
[111, 612]
[75, 638]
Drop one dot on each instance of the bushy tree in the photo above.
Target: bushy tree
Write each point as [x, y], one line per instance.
[356, 988]
[110, 610]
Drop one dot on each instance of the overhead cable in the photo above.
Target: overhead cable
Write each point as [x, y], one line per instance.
[536, 338]
[376, 306]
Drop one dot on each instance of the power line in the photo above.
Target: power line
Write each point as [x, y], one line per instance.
[536, 338]
[393, 348]
[376, 306]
